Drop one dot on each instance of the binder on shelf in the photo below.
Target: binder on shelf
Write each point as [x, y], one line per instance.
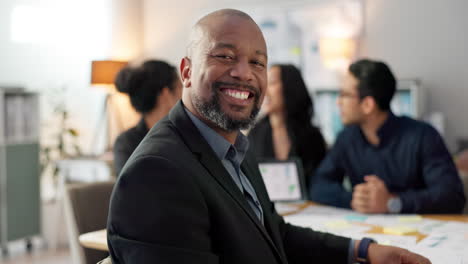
[20, 119]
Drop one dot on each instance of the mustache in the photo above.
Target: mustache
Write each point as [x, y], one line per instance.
[248, 87]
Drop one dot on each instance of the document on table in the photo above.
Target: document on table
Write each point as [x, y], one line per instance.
[447, 241]
[342, 227]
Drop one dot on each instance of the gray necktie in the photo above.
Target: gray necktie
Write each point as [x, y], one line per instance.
[247, 188]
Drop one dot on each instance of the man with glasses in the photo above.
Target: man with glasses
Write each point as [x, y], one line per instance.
[395, 164]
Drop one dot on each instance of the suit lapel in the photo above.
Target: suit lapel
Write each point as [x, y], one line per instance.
[251, 171]
[195, 141]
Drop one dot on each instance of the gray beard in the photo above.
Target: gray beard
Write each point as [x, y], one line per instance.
[211, 111]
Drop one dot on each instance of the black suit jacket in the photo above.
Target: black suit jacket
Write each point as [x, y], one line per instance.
[174, 202]
[126, 143]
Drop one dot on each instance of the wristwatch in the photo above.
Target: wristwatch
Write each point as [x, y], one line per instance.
[362, 250]
[394, 205]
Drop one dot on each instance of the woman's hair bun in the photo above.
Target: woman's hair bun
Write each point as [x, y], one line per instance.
[122, 80]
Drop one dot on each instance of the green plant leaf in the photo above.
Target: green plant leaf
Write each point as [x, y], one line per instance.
[73, 132]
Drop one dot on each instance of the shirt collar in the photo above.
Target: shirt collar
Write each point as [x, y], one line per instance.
[219, 144]
[385, 131]
[388, 127]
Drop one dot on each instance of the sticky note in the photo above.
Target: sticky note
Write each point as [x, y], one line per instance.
[356, 218]
[400, 230]
[338, 224]
[410, 219]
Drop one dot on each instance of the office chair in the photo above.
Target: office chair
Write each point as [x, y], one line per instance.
[86, 210]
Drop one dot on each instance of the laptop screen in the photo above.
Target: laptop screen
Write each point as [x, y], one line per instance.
[283, 180]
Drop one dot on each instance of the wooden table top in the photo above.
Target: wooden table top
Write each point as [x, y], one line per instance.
[95, 240]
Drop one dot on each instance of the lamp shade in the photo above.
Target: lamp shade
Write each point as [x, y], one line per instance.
[104, 71]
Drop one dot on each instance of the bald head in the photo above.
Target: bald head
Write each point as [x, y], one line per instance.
[224, 72]
[208, 23]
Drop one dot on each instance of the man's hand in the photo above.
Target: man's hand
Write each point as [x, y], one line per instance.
[379, 254]
[371, 196]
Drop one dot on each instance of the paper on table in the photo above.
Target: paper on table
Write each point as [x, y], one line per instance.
[440, 256]
[354, 230]
[447, 242]
[452, 241]
[410, 219]
[424, 226]
[284, 208]
[324, 223]
[327, 210]
[452, 227]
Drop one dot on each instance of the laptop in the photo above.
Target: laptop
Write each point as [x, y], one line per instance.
[284, 180]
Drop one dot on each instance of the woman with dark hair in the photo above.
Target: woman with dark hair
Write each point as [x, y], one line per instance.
[153, 88]
[286, 131]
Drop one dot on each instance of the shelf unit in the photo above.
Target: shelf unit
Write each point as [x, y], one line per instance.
[19, 166]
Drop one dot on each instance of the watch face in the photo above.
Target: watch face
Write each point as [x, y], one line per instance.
[394, 205]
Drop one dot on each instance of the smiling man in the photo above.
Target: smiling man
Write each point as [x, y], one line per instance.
[227, 98]
[192, 192]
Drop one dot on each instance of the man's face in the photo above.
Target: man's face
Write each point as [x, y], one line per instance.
[349, 101]
[228, 73]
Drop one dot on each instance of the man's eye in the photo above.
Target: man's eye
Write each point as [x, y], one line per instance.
[225, 57]
[258, 63]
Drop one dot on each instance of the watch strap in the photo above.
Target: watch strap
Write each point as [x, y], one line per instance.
[362, 250]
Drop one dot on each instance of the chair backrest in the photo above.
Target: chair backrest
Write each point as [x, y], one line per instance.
[86, 210]
[461, 161]
[464, 177]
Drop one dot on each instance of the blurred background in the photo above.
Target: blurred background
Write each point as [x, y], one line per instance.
[60, 113]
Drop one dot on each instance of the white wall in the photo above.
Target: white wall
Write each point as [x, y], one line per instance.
[168, 23]
[423, 39]
[53, 47]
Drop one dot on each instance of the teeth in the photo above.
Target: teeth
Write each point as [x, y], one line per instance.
[238, 95]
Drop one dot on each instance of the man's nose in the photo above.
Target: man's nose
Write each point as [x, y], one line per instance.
[242, 70]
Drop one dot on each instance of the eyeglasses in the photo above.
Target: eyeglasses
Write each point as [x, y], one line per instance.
[343, 94]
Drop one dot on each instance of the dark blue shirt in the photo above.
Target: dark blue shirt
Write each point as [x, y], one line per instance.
[411, 159]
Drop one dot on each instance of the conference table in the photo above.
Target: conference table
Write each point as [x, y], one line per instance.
[95, 240]
[98, 239]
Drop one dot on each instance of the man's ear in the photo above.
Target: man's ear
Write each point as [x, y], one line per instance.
[368, 104]
[186, 72]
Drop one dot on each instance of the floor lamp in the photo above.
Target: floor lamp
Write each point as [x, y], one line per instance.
[103, 73]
